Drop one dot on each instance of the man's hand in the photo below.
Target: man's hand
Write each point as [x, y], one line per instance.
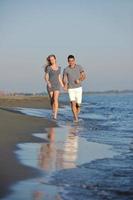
[77, 81]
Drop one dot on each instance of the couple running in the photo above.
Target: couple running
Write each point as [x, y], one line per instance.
[73, 75]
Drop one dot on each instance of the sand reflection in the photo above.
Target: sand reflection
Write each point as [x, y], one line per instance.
[59, 154]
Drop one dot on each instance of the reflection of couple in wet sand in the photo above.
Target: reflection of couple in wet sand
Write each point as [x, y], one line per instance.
[57, 154]
[73, 75]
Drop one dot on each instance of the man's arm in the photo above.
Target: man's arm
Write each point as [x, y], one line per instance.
[81, 78]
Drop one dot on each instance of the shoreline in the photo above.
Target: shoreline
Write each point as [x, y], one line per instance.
[99, 179]
[21, 132]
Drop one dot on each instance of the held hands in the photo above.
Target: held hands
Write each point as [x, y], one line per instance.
[65, 87]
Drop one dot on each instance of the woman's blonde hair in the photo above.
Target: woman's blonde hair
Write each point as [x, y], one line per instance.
[48, 63]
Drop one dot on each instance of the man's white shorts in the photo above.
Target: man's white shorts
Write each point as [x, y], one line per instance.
[75, 94]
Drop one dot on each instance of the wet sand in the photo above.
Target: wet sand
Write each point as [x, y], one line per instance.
[64, 150]
[18, 128]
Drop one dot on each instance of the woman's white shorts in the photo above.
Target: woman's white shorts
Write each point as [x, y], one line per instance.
[75, 94]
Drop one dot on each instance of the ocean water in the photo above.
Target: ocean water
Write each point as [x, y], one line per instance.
[107, 119]
[90, 160]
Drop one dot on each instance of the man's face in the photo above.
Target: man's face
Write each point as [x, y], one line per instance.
[71, 62]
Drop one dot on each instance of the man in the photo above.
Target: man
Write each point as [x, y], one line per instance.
[73, 76]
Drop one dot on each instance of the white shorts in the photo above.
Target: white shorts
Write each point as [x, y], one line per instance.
[75, 94]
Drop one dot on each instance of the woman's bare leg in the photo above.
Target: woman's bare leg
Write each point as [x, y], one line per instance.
[51, 96]
[56, 104]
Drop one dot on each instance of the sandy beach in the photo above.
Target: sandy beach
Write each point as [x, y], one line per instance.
[16, 128]
[24, 101]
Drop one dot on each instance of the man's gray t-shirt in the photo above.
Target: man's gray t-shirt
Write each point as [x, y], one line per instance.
[72, 75]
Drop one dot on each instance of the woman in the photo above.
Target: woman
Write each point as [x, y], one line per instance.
[54, 81]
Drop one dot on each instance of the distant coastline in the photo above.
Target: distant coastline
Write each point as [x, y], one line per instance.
[109, 92]
[2, 93]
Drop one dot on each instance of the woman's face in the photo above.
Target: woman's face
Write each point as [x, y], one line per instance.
[52, 60]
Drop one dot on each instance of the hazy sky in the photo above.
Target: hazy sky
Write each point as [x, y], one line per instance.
[98, 32]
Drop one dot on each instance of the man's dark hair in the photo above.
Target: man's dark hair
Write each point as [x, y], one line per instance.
[70, 56]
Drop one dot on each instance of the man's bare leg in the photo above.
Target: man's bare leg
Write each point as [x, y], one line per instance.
[74, 110]
[78, 108]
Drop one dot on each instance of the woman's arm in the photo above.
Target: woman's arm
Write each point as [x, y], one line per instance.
[60, 80]
[46, 78]
[65, 81]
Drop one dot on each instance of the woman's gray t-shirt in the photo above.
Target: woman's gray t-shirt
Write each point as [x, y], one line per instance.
[72, 75]
[53, 78]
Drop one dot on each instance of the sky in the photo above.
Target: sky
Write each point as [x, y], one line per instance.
[98, 32]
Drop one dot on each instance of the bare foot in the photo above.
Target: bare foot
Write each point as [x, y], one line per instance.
[55, 116]
[75, 120]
